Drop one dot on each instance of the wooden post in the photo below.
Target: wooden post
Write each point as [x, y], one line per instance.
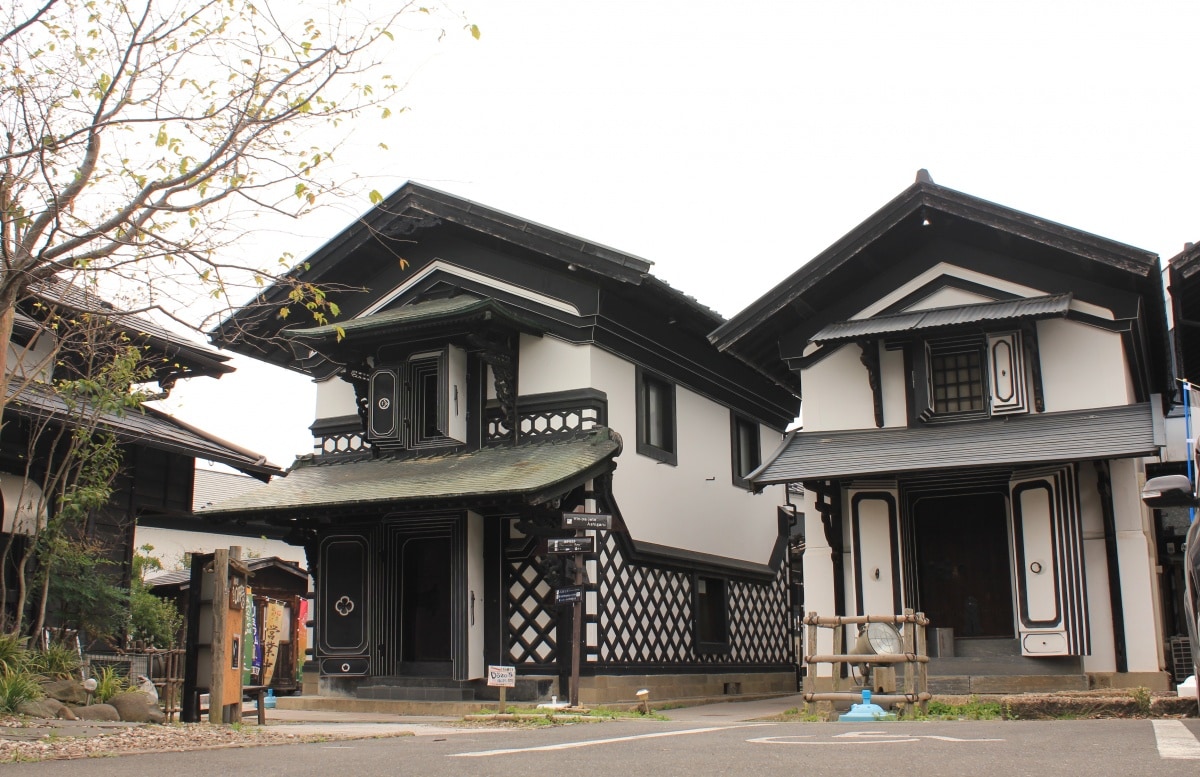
[839, 638]
[576, 627]
[910, 668]
[503, 698]
[922, 668]
[810, 672]
[219, 650]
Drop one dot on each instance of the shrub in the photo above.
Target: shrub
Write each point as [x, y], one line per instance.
[108, 684]
[12, 654]
[18, 686]
[56, 662]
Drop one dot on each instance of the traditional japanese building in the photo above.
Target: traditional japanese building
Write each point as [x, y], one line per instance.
[158, 453]
[486, 375]
[983, 392]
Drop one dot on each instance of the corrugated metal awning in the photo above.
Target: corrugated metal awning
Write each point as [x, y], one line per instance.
[1079, 435]
[1004, 310]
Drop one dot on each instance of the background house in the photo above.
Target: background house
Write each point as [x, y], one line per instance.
[485, 375]
[983, 391]
[157, 452]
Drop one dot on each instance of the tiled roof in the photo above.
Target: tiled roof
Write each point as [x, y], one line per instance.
[1036, 438]
[147, 426]
[533, 470]
[429, 312]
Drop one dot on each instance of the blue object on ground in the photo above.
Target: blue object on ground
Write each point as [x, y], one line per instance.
[269, 702]
[865, 712]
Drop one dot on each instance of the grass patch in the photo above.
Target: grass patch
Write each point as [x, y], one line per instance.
[973, 709]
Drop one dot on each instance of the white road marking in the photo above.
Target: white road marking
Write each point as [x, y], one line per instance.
[1174, 740]
[862, 738]
[591, 742]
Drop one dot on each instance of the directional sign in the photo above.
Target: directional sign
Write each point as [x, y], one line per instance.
[503, 676]
[587, 521]
[571, 545]
[569, 594]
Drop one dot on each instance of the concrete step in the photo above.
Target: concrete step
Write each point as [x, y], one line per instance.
[1006, 684]
[444, 709]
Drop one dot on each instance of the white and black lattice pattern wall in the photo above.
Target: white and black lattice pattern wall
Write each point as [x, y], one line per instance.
[639, 615]
[645, 616]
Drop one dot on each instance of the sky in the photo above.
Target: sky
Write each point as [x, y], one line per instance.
[729, 143]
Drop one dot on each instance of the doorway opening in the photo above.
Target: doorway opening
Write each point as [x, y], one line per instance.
[426, 617]
[964, 577]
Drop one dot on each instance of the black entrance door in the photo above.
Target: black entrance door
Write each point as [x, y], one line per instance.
[426, 612]
[963, 570]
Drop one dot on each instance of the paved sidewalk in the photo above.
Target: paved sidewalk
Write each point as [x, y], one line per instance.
[734, 711]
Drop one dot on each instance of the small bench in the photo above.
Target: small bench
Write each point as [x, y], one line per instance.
[259, 694]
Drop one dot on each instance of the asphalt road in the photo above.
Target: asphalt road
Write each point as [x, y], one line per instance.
[679, 748]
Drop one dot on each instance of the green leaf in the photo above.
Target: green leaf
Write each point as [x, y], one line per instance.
[474, 30]
[376, 197]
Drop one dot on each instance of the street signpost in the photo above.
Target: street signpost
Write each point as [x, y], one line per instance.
[571, 594]
[579, 545]
[574, 545]
[601, 521]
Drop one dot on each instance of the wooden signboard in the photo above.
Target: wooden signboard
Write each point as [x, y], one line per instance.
[571, 545]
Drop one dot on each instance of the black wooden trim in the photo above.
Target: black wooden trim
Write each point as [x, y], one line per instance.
[870, 360]
[670, 453]
[533, 403]
[336, 425]
[947, 282]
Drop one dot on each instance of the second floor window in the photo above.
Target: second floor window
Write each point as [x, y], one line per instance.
[420, 402]
[656, 417]
[746, 451]
[971, 377]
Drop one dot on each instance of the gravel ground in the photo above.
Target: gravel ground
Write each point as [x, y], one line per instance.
[31, 740]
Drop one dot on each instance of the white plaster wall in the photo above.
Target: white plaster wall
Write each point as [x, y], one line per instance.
[892, 382]
[947, 298]
[548, 364]
[1135, 557]
[837, 394]
[170, 545]
[33, 361]
[694, 504]
[335, 397]
[1103, 657]
[1082, 366]
[818, 580]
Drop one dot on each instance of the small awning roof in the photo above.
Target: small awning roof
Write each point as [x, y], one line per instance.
[917, 320]
[1038, 438]
[535, 471]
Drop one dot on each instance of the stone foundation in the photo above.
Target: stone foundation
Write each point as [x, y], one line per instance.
[618, 689]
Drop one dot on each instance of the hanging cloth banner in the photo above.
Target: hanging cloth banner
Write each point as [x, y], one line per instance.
[249, 637]
[272, 631]
[301, 639]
